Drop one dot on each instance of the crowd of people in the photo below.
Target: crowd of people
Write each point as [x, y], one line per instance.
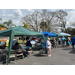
[50, 42]
[30, 43]
[64, 42]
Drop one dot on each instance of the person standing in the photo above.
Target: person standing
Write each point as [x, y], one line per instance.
[63, 41]
[68, 42]
[19, 47]
[48, 46]
[14, 42]
[55, 42]
[59, 40]
[28, 45]
[73, 41]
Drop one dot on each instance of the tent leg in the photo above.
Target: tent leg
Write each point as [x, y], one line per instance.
[10, 45]
[57, 41]
[44, 42]
[23, 39]
[45, 45]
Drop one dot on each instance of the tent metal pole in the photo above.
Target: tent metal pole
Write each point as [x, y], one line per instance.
[10, 45]
[45, 45]
[23, 39]
[58, 40]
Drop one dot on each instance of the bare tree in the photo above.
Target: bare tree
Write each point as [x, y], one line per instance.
[49, 18]
[72, 24]
[33, 20]
[49, 21]
[61, 15]
[43, 19]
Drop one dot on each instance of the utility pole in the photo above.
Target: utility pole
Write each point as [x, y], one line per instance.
[36, 23]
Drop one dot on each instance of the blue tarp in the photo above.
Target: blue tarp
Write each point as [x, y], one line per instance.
[45, 33]
[48, 34]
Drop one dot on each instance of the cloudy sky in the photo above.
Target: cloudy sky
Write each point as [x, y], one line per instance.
[16, 14]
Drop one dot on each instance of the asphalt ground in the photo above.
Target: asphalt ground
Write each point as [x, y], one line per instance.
[60, 56]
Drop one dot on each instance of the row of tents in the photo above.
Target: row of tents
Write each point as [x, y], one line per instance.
[21, 31]
[53, 34]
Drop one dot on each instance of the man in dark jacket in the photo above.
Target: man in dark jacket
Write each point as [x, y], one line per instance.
[17, 47]
[73, 41]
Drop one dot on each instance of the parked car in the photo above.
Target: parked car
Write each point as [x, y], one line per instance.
[2, 44]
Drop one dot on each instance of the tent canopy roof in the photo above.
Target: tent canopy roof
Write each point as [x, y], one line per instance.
[57, 34]
[65, 34]
[48, 34]
[18, 31]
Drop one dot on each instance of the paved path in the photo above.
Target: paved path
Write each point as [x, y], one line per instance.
[60, 56]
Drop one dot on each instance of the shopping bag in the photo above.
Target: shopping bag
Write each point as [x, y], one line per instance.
[68, 43]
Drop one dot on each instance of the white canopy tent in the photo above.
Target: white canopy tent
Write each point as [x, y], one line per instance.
[65, 34]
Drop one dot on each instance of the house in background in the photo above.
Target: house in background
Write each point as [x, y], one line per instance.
[3, 39]
[3, 28]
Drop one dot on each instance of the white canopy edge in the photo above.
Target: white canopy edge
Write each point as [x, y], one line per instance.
[65, 34]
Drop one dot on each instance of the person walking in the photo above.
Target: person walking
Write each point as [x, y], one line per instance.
[73, 41]
[59, 40]
[63, 41]
[68, 42]
[48, 46]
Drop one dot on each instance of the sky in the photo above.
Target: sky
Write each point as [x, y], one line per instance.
[16, 14]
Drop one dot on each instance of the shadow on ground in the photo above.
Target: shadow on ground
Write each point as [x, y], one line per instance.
[72, 51]
[68, 49]
[40, 55]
